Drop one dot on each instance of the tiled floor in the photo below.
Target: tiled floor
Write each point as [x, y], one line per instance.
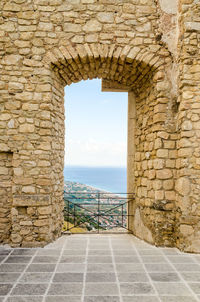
[98, 268]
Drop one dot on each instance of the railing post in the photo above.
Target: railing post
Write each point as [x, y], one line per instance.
[122, 215]
[129, 214]
[68, 215]
[74, 214]
[98, 210]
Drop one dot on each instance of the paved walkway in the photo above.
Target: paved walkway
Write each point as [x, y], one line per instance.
[98, 268]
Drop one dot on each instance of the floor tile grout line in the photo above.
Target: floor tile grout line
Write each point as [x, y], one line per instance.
[109, 295]
[41, 263]
[102, 282]
[53, 274]
[18, 279]
[84, 275]
[181, 278]
[115, 270]
[173, 265]
[150, 281]
[3, 262]
[195, 260]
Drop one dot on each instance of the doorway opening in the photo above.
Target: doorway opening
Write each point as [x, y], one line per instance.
[95, 173]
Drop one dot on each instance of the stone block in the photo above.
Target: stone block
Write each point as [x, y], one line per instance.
[187, 125]
[105, 17]
[183, 186]
[159, 195]
[168, 184]
[92, 26]
[159, 117]
[30, 107]
[164, 174]
[169, 144]
[158, 164]
[28, 189]
[26, 128]
[163, 153]
[15, 87]
[170, 195]
[41, 222]
[74, 28]
[18, 171]
[45, 210]
[4, 147]
[169, 6]
[12, 59]
[186, 230]
[5, 116]
[185, 152]
[45, 26]
[3, 171]
[192, 26]
[44, 163]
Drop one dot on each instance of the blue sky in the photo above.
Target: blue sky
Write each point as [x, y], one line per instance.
[95, 125]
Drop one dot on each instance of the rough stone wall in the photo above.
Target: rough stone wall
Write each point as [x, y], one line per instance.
[155, 161]
[6, 174]
[168, 24]
[47, 44]
[188, 161]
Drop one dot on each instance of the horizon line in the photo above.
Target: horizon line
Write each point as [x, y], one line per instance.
[90, 166]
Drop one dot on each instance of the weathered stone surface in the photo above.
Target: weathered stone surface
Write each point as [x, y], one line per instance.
[12, 59]
[28, 189]
[45, 210]
[26, 128]
[144, 48]
[105, 17]
[72, 28]
[183, 186]
[169, 6]
[186, 230]
[4, 147]
[164, 174]
[3, 171]
[45, 26]
[141, 230]
[92, 26]
[192, 26]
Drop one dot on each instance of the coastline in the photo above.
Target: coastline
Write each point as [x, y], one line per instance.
[105, 179]
[94, 208]
[92, 189]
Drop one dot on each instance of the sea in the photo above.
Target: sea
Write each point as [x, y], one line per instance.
[110, 179]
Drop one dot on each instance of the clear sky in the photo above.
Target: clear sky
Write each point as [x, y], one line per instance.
[95, 125]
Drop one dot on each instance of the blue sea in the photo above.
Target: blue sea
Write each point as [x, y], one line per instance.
[109, 179]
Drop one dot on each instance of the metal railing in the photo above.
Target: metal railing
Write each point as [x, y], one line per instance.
[97, 212]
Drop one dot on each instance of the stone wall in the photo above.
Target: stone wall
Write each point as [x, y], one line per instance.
[188, 161]
[48, 44]
[6, 175]
[155, 161]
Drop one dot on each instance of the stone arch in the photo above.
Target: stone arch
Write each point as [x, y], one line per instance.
[128, 66]
[144, 71]
[36, 214]
[37, 206]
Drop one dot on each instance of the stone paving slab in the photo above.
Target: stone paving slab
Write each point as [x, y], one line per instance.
[98, 268]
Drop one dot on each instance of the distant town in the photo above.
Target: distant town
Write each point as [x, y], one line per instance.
[92, 209]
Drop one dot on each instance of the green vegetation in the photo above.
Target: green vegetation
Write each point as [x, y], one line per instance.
[92, 209]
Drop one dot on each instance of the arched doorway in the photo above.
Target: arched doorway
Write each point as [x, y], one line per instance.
[140, 73]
